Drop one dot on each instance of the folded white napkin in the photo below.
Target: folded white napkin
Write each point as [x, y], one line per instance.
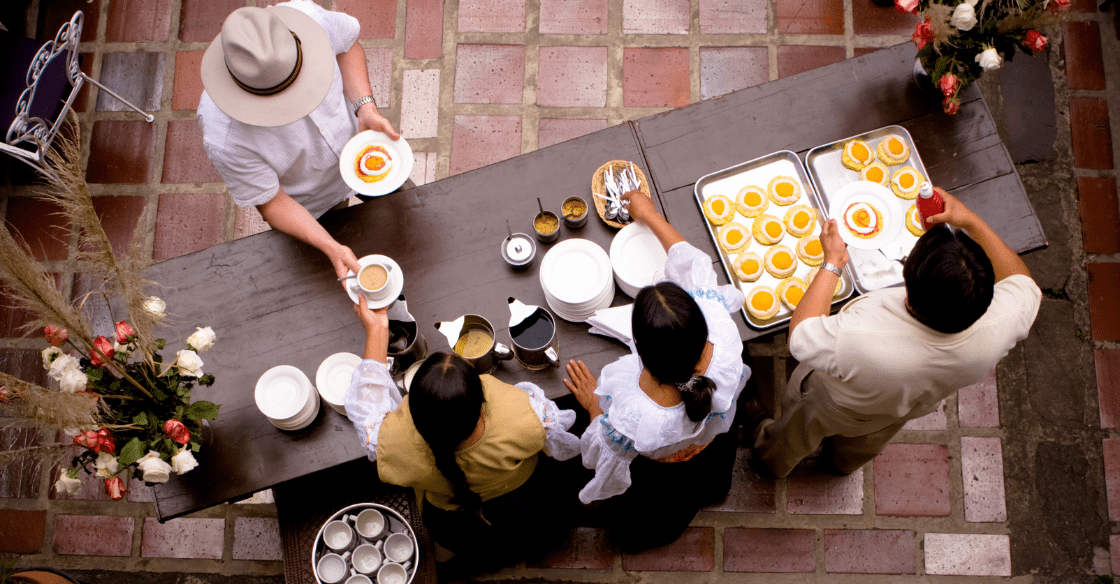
[613, 322]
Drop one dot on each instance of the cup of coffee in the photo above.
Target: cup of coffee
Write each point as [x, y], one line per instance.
[373, 280]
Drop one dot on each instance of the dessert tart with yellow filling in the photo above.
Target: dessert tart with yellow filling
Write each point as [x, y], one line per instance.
[762, 302]
[748, 266]
[790, 291]
[734, 237]
[784, 190]
[799, 220]
[752, 201]
[719, 210]
[780, 262]
[876, 172]
[863, 220]
[812, 276]
[767, 229]
[810, 251]
[892, 150]
[905, 183]
[914, 221]
[857, 154]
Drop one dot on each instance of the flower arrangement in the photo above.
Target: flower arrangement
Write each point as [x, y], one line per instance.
[112, 394]
[958, 40]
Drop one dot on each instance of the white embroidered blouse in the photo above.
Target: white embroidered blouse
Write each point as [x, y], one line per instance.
[632, 423]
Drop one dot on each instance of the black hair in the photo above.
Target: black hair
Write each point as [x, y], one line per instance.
[670, 333]
[949, 280]
[446, 402]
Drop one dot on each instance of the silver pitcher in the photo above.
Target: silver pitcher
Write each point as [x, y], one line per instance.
[483, 361]
[533, 332]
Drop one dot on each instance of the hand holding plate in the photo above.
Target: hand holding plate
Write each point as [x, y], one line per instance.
[835, 250]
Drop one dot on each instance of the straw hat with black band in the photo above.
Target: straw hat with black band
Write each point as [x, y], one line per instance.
[269, 66]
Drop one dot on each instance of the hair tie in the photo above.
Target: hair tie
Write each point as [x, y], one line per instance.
[689, 385]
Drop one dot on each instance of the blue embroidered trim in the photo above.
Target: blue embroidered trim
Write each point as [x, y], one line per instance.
[614, 436]
[709, 294]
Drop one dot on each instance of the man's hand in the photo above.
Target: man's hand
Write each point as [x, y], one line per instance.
[835, 250]
[344, 261]
[370, 119]
[641, 206]
[955, 213]
[582, 385]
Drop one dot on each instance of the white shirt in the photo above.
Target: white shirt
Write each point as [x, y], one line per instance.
[302, 157]
[632, 423]
[875, 359]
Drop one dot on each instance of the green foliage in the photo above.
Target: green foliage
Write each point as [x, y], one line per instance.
[202, 410]
[131, 452]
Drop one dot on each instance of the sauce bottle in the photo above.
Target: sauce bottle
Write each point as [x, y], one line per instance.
[930, 203]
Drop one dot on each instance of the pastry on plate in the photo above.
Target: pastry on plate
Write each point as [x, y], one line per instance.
[857, 154]
[373, 163]
[767, 229]
[780, 262]
[799, 220]
[905, 183]
[892, 150]
[810, 250]
[813, 274]
[784, 190]
[876, 172]
[752, 201]
[719, 209]
[762, 302]
[863, 219]
[734, 238]
[748, 266]
[790, 291]
[914, 221]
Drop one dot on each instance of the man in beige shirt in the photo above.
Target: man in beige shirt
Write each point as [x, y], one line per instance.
[894, 354]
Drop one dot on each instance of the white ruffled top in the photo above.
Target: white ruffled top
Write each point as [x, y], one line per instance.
[373, 394]
[632, 423]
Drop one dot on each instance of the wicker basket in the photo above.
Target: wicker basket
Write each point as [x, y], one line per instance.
[597, 187]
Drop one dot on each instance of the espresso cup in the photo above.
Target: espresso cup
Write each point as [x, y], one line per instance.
[398, 548]
[359, 579]
[373, 280]
[366, 558]
[391, 573]
[339, 537]
[370, 524]
[331, 568]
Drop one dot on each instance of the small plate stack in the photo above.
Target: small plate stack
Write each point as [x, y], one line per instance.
[638, 258]
[333, 379]
[576, 279]
[285, 396]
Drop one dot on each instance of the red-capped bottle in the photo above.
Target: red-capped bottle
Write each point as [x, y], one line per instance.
[930, 203]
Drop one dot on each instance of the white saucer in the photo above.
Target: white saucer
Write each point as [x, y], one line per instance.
[862, 191]
[395, 285]
[637, 257]
[399, 151]
[282, 393]
[333, 377]
[576, 272]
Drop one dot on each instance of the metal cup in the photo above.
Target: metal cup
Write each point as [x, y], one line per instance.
[488, 361]
[542, 356]
[416, 347]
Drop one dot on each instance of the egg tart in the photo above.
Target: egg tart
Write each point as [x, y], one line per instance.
[857, 154]
[752, 201]
[784, 190]
[876, 172]
[719, 209]
[905, 182]
[767, 229]
[812, 276]
[892, 150]
[914, 221]
[790, 291]
[373, 163]
[863, 220]
[748, 266]
[810, 251]
[781, 262]
[762, 302]
[799, 220]
[734, 238]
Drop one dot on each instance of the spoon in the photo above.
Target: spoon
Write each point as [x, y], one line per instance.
[347, 277]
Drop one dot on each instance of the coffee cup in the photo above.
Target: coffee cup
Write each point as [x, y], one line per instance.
[370, 524]
[398, 547]
[366, 558]
[391, 573]
[373, 280]
[331, 568]
[338, 536]
[534, 340]
[359, 579]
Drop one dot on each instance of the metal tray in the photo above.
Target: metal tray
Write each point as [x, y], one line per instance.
[759, 172]
[870, 269]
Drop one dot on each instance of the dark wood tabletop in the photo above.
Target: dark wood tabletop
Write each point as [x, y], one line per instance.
[272, 300]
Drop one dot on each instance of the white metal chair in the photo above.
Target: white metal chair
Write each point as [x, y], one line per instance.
[39, 85]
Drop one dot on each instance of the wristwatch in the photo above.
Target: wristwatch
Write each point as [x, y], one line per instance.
[360, 102]
[831, 268]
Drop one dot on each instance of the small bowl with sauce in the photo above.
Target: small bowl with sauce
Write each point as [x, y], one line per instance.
[518, 250]
[574, 210]
[547, 226]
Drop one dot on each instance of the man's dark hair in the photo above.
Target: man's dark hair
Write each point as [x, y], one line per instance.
[949, 280]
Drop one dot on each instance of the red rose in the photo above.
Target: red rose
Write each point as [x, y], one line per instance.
[125, 333]
[1035, 42]
[115, 487]
[105, 442]
[55, 334]
[5, 395]
[906, 6]
[949, 84]
[177, 431]
[102, 351]
[1058, 5]
[87, 438]
[952, 105]
[923, 33]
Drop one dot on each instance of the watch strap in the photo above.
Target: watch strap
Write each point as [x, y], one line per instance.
[831, 268]
[360, 102]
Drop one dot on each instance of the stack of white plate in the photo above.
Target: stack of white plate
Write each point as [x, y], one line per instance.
[638, 258]
[576, 279]
[285, 396]
[333, 379]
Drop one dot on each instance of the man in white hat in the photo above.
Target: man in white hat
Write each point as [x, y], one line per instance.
[286, 88]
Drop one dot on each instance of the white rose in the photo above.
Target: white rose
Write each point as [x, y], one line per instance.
[154, 468]
[202, 339]
[73, 381]
[60, 365]
[964, 16]
[989, 59]
[155, 305]
[183, 462]
[66, 485]
[48, 356]
[106, 464]
[189, 363]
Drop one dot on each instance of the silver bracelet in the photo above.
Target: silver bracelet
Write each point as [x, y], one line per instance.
[831, 268]
[360, 102]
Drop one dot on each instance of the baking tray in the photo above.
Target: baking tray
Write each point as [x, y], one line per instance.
[759, 172]
[870, 269]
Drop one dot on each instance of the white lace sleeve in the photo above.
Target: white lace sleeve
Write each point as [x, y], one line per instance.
[558, 442]
[608, 452]
[694, 271]
[372, 394]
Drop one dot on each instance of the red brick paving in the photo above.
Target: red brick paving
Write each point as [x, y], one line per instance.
[912, 480]
[423, 29]
[982, 472]
[572, 77]
[38, 223]
[769, 550]
[655, 16]
[1108, 386]
[138, 20]
[201, 20]
[978, 404]
[1114, 552]
[188, 80]
[694, 551]
[968, 554]
[1111, 452]
[934, 420]
[93, 535]
[21, 532]
[85, 63]
[489, 73]
[183, 538]
[492, 16]
[184, 159]
[727, 69]
[749, 492]
[187, 222]
[812, 489]
[732, 16]
[480, 140]
[378, 17]
[1090, 133]
[872, 19]
[119, 216]
[1084, 61]
[794, 59]
[573, 17]
[1100, 213]
[585, 548]
[811, 16]
[137, 77]
[19, 478]
[655, 77]
[554, 130]
[379, 66]
[869, 551]
[1104, 300]
[121, 152]
[257, 538]
[26, 364]
[53, 15]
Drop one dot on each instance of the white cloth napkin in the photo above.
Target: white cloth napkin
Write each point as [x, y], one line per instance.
[613, 322]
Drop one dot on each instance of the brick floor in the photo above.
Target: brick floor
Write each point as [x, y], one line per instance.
[378, 17]
[138, 20]
[183, 538]
[872, 19]
[420, 104]
[798, 59]
[187, 222]
[1084, 60]
[812, 490]
[555, 130]
[379, 65]
[585, 548]
[572, 77]
[93, 535]
[1111, 451]
[137, 77]
[248, 221]
[982, 471]
[41, 228]
[492, 16]
[188, 80]
[978, 404]
[655, 77]
[121, 152]
[186, 160]
[19, 479]
[912, 480]
[573, 17]
[932, 421]
[120, 216]
[655, 16]
[732, 16]
[811, 16]
[481, 140]
[489, 73]
[201, 20]
[1108, 386]
[1100, 213]
[257, 538]
[54, 14]
[727, 69]
[869, 551]
[1089, 129]
[749, 492]
[694, 551]
[1104, 300]
[769, 550]
[423, 33]
[968, 554]
[21, 532]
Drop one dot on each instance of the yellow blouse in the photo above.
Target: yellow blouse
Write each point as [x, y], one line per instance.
[501, 461]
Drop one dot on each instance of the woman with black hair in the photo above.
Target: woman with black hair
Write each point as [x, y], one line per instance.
[468, 444]
[659, 437]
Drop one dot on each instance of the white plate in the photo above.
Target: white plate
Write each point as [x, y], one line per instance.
[304, 420]
[282, 392]
[881, 198]
[395, 285]
[637, 257]
[333, 376]
[399, 151]
[576, 271]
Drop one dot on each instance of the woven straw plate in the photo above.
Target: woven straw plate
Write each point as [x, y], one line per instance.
[598, 188]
